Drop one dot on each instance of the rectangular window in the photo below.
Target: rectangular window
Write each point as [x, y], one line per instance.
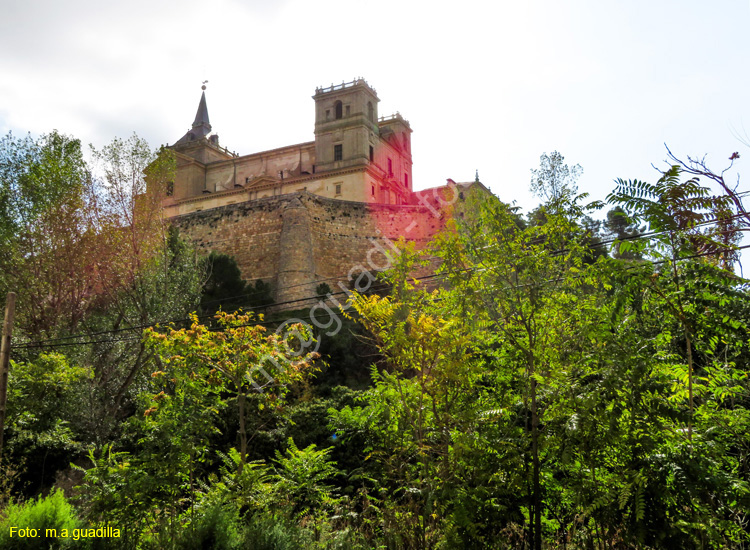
[390, 167]
[372, 190]
[406, 181]
[338, 188]
[338, 152]
[372, 154]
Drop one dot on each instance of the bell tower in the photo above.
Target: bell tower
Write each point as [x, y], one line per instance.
[346, 125]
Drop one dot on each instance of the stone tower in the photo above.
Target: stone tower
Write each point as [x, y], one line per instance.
[296, 266]
[346, 125]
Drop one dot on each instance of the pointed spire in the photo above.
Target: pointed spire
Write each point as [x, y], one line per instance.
[201, 125]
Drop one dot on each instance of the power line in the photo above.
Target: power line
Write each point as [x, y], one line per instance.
[339, 278]
[433, 257]
[44, 343]
[318, 297]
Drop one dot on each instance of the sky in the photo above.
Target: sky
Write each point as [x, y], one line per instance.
[487, 86]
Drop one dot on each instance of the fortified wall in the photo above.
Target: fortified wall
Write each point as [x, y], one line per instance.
[299, 240]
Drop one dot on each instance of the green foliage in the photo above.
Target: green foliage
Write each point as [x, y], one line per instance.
[261, 296]
[239, 358]
[215, 526]
[43, 421]
[269, 532]
[554, 180]
[226, 289]
[620, 227]
[91, 256]
[301, 476]
[688, 218]
[44, 227]
[224, 286]
[36, 176]
[119, 492]
[51, 512]
[250, 486]
[528, 296]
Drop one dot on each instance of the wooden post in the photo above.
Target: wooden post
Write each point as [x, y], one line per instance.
[10, 311]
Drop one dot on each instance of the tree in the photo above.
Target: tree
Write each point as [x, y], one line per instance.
[698, 168]
[523, 290]
[688, 312]
[554, 180]
[233, 359]
[92, 262]
[421, 404]
[225, 288]
[35, 176]
[46, 232]
[83, 238]
[301, 476]
[621, 228]
[44, 420]
[152, 275]
[682, 214]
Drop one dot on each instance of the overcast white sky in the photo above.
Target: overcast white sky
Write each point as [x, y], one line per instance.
[485, 85]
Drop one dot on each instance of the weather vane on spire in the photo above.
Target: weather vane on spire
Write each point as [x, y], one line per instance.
[204, 84]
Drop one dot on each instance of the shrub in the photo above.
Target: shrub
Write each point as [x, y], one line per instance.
[43, 514]
[215, 527]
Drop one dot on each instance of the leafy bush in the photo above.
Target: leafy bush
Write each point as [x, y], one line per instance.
[322, 289]
[226, 288]
[302, 476]
[51, 512]
[270, 532]
[214, 527]
[44, 423]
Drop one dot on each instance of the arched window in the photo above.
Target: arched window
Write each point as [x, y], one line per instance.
[338, 107]
[370, 112]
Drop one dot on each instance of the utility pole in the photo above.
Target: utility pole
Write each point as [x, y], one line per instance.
[10, 312]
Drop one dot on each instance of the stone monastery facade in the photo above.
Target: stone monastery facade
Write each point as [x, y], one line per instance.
[356, 156]
[322, 211]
